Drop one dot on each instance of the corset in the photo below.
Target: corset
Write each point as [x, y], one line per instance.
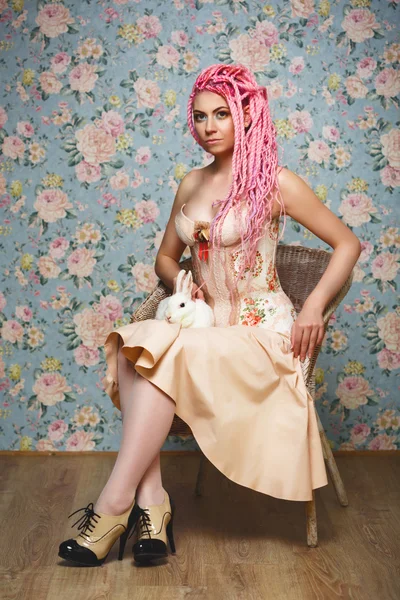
[264, 303]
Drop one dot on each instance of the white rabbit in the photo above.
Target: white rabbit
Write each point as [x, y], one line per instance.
[180, 308]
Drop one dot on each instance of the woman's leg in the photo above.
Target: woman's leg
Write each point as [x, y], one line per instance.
[147, 415]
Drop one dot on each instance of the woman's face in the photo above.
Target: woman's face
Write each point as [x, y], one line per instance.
[212, 119]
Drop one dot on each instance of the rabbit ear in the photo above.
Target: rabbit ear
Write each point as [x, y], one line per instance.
[179, 281]
[187, 284]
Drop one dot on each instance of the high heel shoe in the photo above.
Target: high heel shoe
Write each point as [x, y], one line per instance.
[98, 533]
[154, 525]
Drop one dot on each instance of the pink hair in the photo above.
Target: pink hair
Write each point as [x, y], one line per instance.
[255, 154]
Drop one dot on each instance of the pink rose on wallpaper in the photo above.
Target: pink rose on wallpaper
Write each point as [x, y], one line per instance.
[147, 211]
[359, 433]
[145, 277]
[52, 205]
[92, 327]
[13, 147]
[266, 33]
[110, 307]
[87, 357]
[366, 250]
[25, 128]
[24, 313]
[83, 77]
[48, 267]
[366, 67]
[149, 26]
[3, 117]
[58, 247]
[81, 262]
[275, 90]
[296, 65]
[44, 445]
[57, 430]
[49, 83]
[331, 133]
[390, 176]
[383, 442]
[388, 360]
[353, 391]
[360, 24]
[387, 83]
[96, 145]
[389, 331]
[179, 38]
[250, 52]
[3, 302]
[12, 331]
[301, 121]
[87, 173]
[148, 93]
[143, 155]
[53, 20]
[357, 209]
[391, 147]
[60, 62]
[51, 388]
[302, 8]
[319, 151]
[119, 181]
[167, 56]
[385, 266]
[120, 2]
[112, 122]
[80, 441]
[355, 87]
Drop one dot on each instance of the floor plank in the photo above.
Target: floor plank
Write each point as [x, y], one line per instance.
[232, 543]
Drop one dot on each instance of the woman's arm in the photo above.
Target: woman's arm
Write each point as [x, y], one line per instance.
[303, 205]
[171, 248]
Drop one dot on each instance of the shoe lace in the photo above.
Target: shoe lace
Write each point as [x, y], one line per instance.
[87, 520]
[143, 521]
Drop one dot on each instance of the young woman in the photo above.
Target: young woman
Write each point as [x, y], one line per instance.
[238, 385]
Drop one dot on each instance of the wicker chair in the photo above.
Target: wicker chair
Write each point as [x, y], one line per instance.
[299, 271]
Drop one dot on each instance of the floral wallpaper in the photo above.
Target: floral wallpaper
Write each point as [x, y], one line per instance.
[93, 145]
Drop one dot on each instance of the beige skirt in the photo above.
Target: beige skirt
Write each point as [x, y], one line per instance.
[242, 393]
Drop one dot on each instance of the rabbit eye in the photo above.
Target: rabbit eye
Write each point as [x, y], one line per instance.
[182, 304]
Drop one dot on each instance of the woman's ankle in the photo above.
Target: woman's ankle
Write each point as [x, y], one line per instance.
[149, 496]
[116, 505]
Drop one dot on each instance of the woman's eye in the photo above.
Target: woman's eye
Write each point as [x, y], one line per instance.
[198, 117]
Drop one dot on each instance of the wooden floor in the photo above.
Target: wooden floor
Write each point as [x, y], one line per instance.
[231, 543]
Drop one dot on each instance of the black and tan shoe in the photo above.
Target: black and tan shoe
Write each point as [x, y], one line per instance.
[98, 533]
[154, 526]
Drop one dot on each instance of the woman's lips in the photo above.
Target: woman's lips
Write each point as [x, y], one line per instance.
[213, 141]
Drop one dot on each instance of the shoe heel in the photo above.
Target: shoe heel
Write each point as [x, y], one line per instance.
[130, 526]
[170, 534]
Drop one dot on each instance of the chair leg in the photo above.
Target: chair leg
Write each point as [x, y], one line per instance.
[200, 476]
[332, 466]
[311, 520]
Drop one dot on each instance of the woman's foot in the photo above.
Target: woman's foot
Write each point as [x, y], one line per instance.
[154, 526]
[98, 533]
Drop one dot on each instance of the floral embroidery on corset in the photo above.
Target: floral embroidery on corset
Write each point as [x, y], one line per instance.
[254, 312]
[273, 229]
[271, 279]
[257, 268]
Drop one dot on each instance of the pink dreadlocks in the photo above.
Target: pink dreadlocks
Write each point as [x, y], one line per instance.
[255, 154]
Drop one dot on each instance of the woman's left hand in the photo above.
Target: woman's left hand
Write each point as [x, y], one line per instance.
[307, 332]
